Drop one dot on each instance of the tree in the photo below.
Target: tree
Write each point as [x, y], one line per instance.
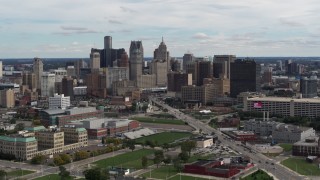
[3, 174]
[96, 174]
[184, 156]
[177, 164]
[167, 160]
[58, 161]
[158, 157]
[144, 162]
[64, 174]
[65, 158]
[134, 106]
[81, 155]
[165, 146]
[19, 127]
[130, 144]
[187, 146]
[39, 159]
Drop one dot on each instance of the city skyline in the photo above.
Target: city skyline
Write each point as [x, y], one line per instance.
[66, 29]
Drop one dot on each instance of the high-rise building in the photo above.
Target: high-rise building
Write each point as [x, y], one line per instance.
[107, 51]
[221, 87]
[7, 98]
[47, 85]
[187, 58]
[79, 65]
[162, 54]
[225, 60]
[176, 80]
[308, 87]
[204, 71]
[124, 60]
[95, 60]
[244, 76]
[1, 69]
[29, 79]
[67, 87]
[38, 70]
[135, 60]
[59, 101]
[192, 68]
[115, 74]
[267, 76]
[160, 70]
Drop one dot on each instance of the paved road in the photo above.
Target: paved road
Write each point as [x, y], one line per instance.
[279, 171]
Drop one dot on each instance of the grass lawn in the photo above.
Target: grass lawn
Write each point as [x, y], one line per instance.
[286, 147]
[158, 120]
[165, 137]
[177, 177]
[52, 177]
[301, 166]
[18, 173]
[162, 172]
[127, 160]
[257, 175]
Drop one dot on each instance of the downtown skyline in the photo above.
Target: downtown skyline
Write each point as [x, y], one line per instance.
[59, 28]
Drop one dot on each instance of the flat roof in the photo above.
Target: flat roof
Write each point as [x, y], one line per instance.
[282, 99]
[17, 139]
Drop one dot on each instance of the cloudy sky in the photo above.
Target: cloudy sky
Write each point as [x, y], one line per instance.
[70, 28]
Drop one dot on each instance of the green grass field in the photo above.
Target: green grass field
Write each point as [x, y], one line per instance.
[301, 166]
[52, 177]
[127, 160]
[158, 120]
[286, 147]
[163, 172]
[258, 175]
[177, 177]
[165, 137]
[18, 173]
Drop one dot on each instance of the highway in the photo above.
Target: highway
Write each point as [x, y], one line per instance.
[279, 171]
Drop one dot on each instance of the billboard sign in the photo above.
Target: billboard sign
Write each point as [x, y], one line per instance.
[257, 105]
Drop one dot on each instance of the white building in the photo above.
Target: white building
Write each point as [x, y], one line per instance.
[80, 90]
[60, 73]
[305, 107]
[47, 84]
[279, 132]
[59, 101]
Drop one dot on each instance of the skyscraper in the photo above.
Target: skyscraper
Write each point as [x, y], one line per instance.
[244, 76]
[204, 71]
[162, 54]
[308, 87]
[107, 51]
[67, 87]
[225, 60]
[187, 58]
[135, 60]
[95, 60]
[47, 84]
[38, 70]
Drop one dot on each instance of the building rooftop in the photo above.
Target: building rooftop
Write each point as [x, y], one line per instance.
[283, 99]
[17, 139]
[310, 141]
[81, 129]
[33, 129]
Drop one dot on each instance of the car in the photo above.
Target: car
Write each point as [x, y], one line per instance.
[272, 163]
[267, 162]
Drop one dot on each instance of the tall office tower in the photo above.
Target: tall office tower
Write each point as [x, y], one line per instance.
[187, 58]
[308, 87]
[124, 60]
[47, 84]
[115, 74]
[286, 64]
[204, 71]
[244, 76]
[29, 79]
[67, 87]
[79, 65]
[162, 54]
[135, 60]
[225, 60]
[279, 64]
[107, 51]
[192, 68]
[1, 69]
[159, 68]
[95, 60]
[177, 79]
[7, 98]
[267, 76]
[176, 65]
[38, 70]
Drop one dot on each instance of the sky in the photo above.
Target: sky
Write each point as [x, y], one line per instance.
[70, 28]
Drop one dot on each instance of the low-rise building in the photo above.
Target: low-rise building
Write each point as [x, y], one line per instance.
[59, 101]
[307, 147]
[203, 142]
[243, 135]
